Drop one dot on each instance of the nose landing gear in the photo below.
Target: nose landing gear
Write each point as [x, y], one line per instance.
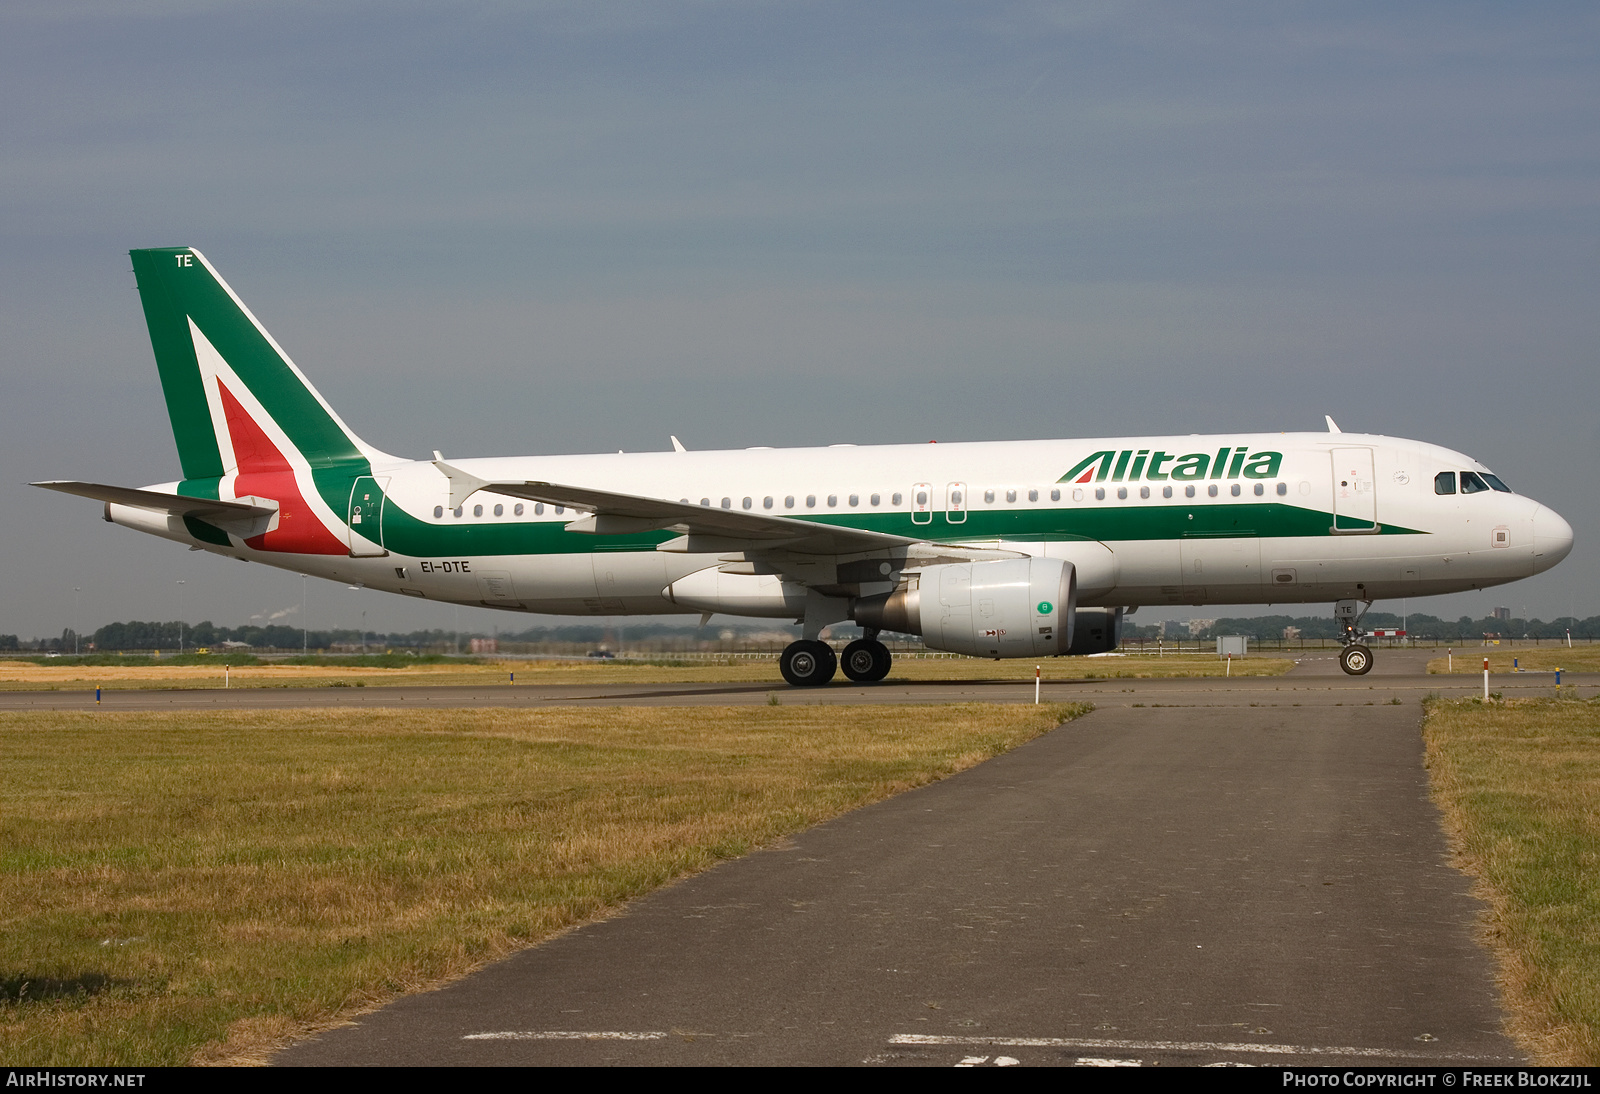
[1355, 659]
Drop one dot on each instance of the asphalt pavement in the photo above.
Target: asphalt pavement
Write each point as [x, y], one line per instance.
[1200, 872]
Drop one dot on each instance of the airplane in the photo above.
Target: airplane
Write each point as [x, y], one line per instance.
[998, 550]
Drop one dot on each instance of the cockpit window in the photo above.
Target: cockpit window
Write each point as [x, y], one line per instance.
[1444, 482]
[1472, 484]
[1494, 481]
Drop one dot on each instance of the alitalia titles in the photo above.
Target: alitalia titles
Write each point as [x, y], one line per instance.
[1157, 465]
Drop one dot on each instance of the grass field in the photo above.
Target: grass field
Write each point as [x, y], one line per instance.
[186, 888]
[1531, 658]
[28, 676]
[1518, 782]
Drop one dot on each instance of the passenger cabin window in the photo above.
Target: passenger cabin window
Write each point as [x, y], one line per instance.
[1283, 489]
[538, 508]
[1472, 484]
[1211, 491]
[747, 503]
[788, 501]
[894, 499]
[988, 497]
[1234, 489]
[1033, 495]
[477, 510]
[1444, 482]
[875, 499]
[766, 502]
[499, 510]
[1144, 491]
[1166, 491]
[516, 510]
[438, 511]
[833, 500]
[1099, 493]
[1011, 496]
[855, 500]
[1055, 493]
[811, 501]
[1122, 493]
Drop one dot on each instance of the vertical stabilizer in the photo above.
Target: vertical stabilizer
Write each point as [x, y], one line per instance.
[220, 368]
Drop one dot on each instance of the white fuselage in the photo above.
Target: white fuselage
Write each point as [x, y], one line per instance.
[1128, 536]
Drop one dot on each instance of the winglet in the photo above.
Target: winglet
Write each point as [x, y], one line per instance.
[1333, 426]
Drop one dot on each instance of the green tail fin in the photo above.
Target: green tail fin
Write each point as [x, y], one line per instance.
[216, 360]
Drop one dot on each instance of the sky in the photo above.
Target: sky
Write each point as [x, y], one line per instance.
[503, 228]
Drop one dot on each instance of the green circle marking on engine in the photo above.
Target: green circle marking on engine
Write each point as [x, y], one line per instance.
[1044, 607]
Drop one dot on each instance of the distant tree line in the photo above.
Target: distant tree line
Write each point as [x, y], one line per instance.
[1416, 624]
[139, 635]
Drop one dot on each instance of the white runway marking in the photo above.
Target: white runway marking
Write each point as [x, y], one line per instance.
[568, 1035]
[1173, 1046]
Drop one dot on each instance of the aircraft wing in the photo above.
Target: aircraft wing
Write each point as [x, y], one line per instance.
[704, 527]
[244, 518]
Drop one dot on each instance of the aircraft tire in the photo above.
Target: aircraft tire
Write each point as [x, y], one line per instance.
[1355, 660]
[866, 661]
[808, 663]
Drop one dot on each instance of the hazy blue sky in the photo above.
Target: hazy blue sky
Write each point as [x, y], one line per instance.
[496, 228]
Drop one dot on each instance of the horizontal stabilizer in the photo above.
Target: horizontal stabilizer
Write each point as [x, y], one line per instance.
[244, 518]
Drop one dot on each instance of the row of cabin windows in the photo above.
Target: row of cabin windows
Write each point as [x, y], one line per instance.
[1472, 482]
[957, 500]
[1234, 490]
[768, 502]
[517, 510]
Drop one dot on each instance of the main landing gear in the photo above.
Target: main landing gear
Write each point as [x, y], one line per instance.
[810, 663]
[866, 660]
[1355, 659]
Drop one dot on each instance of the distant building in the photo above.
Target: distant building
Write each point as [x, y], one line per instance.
[1291, 633]
[485, 645]
[1199, 626]
[1502, 613]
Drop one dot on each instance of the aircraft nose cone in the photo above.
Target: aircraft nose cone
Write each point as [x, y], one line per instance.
[1552, 539]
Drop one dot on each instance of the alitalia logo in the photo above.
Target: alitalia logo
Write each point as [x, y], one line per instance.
[1134, 465]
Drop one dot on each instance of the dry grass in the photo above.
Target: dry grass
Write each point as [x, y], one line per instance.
[1519, 783]
[1532, 658]
[181, 888]
[24, 676]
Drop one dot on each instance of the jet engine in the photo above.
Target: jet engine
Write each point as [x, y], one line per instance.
[1021, 607]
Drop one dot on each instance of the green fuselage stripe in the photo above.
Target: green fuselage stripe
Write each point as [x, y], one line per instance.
[407, 535]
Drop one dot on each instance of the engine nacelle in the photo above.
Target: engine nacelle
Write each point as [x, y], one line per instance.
[1096, 630]
[1021, 607]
